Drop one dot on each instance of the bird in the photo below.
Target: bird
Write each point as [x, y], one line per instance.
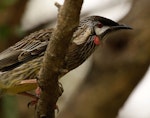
[20, 63]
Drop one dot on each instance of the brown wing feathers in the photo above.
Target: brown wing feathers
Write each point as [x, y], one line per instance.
[25, 50]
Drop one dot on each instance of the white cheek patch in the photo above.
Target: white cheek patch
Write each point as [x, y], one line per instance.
[99, 31]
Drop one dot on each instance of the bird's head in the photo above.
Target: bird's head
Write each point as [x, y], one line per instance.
[103, 26]
[98, 27]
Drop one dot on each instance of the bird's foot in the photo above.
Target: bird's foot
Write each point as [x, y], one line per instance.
[38, 91]
[34, 101]
[37, 96]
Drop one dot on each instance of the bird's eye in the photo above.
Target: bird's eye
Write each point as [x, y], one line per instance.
[99, 25]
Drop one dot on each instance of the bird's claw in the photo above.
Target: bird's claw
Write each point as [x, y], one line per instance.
[32, 103]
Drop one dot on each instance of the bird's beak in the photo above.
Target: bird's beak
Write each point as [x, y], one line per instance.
[115, 28]
[119, 27]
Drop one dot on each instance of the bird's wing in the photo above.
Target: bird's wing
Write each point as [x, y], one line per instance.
[26, 49]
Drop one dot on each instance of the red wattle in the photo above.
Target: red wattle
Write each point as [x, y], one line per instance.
[96, 40]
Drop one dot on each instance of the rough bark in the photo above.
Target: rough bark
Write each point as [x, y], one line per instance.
[68, 20]
[117, 68]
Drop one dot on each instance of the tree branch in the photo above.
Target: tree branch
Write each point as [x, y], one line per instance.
[68, 20]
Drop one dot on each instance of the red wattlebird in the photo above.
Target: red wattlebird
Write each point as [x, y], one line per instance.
[20, 63]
